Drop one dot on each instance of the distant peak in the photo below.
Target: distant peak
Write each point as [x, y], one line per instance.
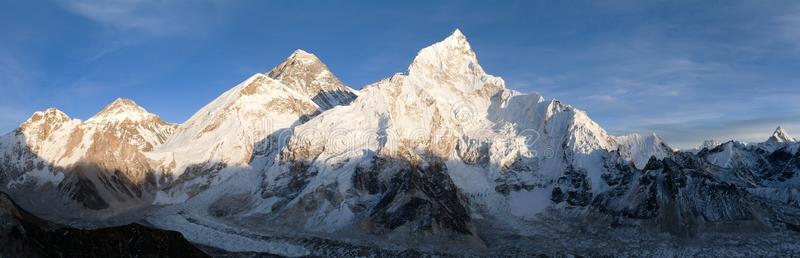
[54, 112]
[303, 57]
[300, 52]
[305, 73]
[710, 144]
[123, 102]
[780, 135]
[300, 66]
[298, 61]
[50, 114]
[120, 110]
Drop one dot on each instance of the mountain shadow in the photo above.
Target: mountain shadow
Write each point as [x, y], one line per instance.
[91, 189]
[25, 235]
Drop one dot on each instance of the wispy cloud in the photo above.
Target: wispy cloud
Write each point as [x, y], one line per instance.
[149, 17]
[601, 99]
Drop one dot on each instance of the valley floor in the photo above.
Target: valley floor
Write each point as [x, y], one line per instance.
[547, 236]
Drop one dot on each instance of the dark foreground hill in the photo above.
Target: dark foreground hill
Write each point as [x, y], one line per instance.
[24, 235]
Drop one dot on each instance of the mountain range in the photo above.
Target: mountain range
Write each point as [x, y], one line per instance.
[442, 159]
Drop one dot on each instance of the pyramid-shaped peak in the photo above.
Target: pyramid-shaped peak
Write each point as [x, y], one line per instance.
[457, 38]
[299, 61]
[452, 56]
[122, 103]
[120, 110]
[780, 135]
[303, 57]
[305, 73]
[300, 52]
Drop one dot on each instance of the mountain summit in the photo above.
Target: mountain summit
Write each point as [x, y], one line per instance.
[780, 135]
[97, 166]
[121, 110]
[450, 62]
[306, 74]
[241, 123]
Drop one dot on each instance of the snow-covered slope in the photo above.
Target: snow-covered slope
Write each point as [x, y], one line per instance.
[442, 151]
[781, 136]
[245, 121]
[778, 139]
[442, 158]
[638, 148]
[307, 75]
[97, 164]
[425, 151]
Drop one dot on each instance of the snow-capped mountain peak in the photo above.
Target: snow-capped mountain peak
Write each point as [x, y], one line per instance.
[780, 135]
[44, 126]
[303, 56]
[640, 148]
[710, 144]
[50, 115]
[450, 61]
[306, 74]
[442, 152]
[121, 110]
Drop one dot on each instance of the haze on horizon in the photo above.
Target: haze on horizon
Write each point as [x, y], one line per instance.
[688, 71]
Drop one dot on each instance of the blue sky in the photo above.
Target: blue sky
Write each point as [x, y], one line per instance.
[688, 70]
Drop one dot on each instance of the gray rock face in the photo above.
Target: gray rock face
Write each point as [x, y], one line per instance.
[422, 199]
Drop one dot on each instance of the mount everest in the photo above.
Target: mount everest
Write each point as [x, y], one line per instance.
[441, 159]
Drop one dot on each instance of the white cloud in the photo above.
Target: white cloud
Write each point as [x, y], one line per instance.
[601, 98]
[148, 17]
